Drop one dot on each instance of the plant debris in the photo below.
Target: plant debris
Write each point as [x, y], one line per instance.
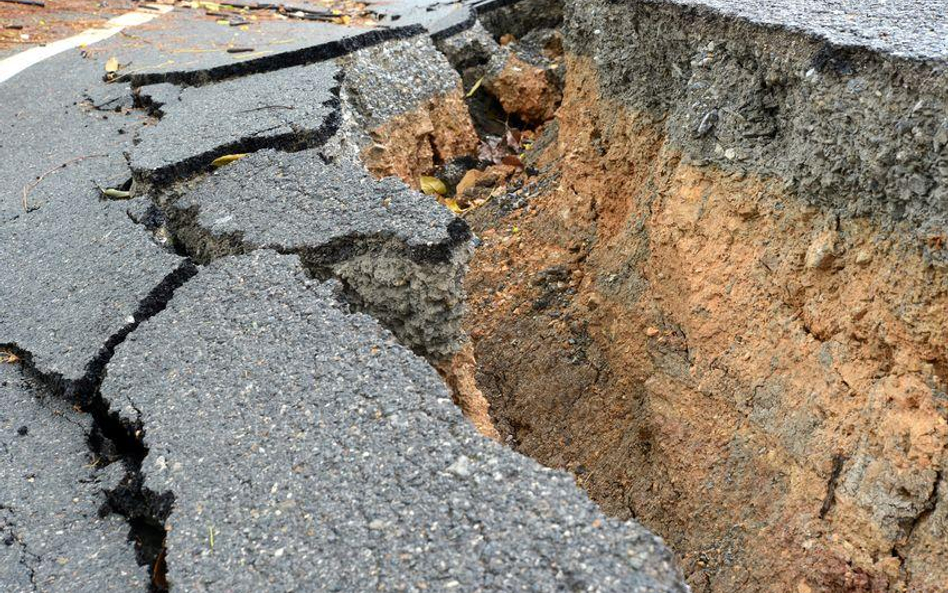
[227, 159]
[432, 186]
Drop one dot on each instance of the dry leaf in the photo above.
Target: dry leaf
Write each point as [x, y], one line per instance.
[116, 194]
[492, 150]
[112, 65]
[227, 159]
[513, 139]
[432, 186]
[453, 206]
[476, 86]
[512, 160]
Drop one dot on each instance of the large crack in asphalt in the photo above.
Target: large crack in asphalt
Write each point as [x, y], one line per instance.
[372, 262]
[300, 57]
[113, 440]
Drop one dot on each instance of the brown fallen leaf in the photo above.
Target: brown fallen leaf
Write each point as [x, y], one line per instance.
[512, 160]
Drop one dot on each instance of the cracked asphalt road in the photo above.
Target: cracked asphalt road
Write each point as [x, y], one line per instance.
[186, 408]
[224, 384]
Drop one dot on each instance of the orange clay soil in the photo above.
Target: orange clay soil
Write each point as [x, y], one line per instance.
[412, 144]
[409, 146]
[758, 382]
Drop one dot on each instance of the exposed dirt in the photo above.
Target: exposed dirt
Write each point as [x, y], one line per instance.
[753, 378]
[758, 382]
[414, 143]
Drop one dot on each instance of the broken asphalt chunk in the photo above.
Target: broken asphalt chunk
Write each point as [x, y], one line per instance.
[399, 253]
[307, 450]
[288, 109]
[77, 276]
[53, 538]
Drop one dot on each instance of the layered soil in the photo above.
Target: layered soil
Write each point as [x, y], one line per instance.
[744, 348]
[758, 380]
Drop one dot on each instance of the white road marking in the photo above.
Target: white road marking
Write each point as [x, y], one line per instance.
[10, 67]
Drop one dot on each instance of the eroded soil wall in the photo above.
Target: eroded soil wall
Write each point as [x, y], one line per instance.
[751, 362]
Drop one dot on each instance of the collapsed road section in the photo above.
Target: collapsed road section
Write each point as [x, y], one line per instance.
[707, 276]
[717, 290]
[231, 326]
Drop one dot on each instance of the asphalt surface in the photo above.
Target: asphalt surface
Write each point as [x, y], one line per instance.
[299, 202]
[53, 538]
[290, 108]
[304, 445]
[909, 28]
[392, 78]
[76, 275]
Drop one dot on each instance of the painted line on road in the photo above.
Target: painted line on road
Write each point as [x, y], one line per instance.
[10, 67]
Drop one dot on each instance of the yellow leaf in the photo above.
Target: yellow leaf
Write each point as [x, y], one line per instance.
[432, 186]
[227, 159]
[112, 65]
[476, 86]
[223, 22]
[116, 194]
[452, 205]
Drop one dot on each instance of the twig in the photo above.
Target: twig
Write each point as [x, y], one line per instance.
[266, 107]
[26, 2]
[29, 186]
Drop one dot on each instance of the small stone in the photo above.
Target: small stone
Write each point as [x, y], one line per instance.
[461, 467]
[377, 525]
[863, 257]
[821, 253]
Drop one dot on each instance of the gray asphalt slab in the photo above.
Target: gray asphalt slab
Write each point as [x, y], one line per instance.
[400, 252]
[75, 275]
[52, 536]
[436, 17]
[288, 108]
[181, 49]
[298, 201]
[909, 28]
[392, 78]
[46, 126]
[307, 450]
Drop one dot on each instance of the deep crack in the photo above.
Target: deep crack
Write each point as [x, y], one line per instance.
[113, 440]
